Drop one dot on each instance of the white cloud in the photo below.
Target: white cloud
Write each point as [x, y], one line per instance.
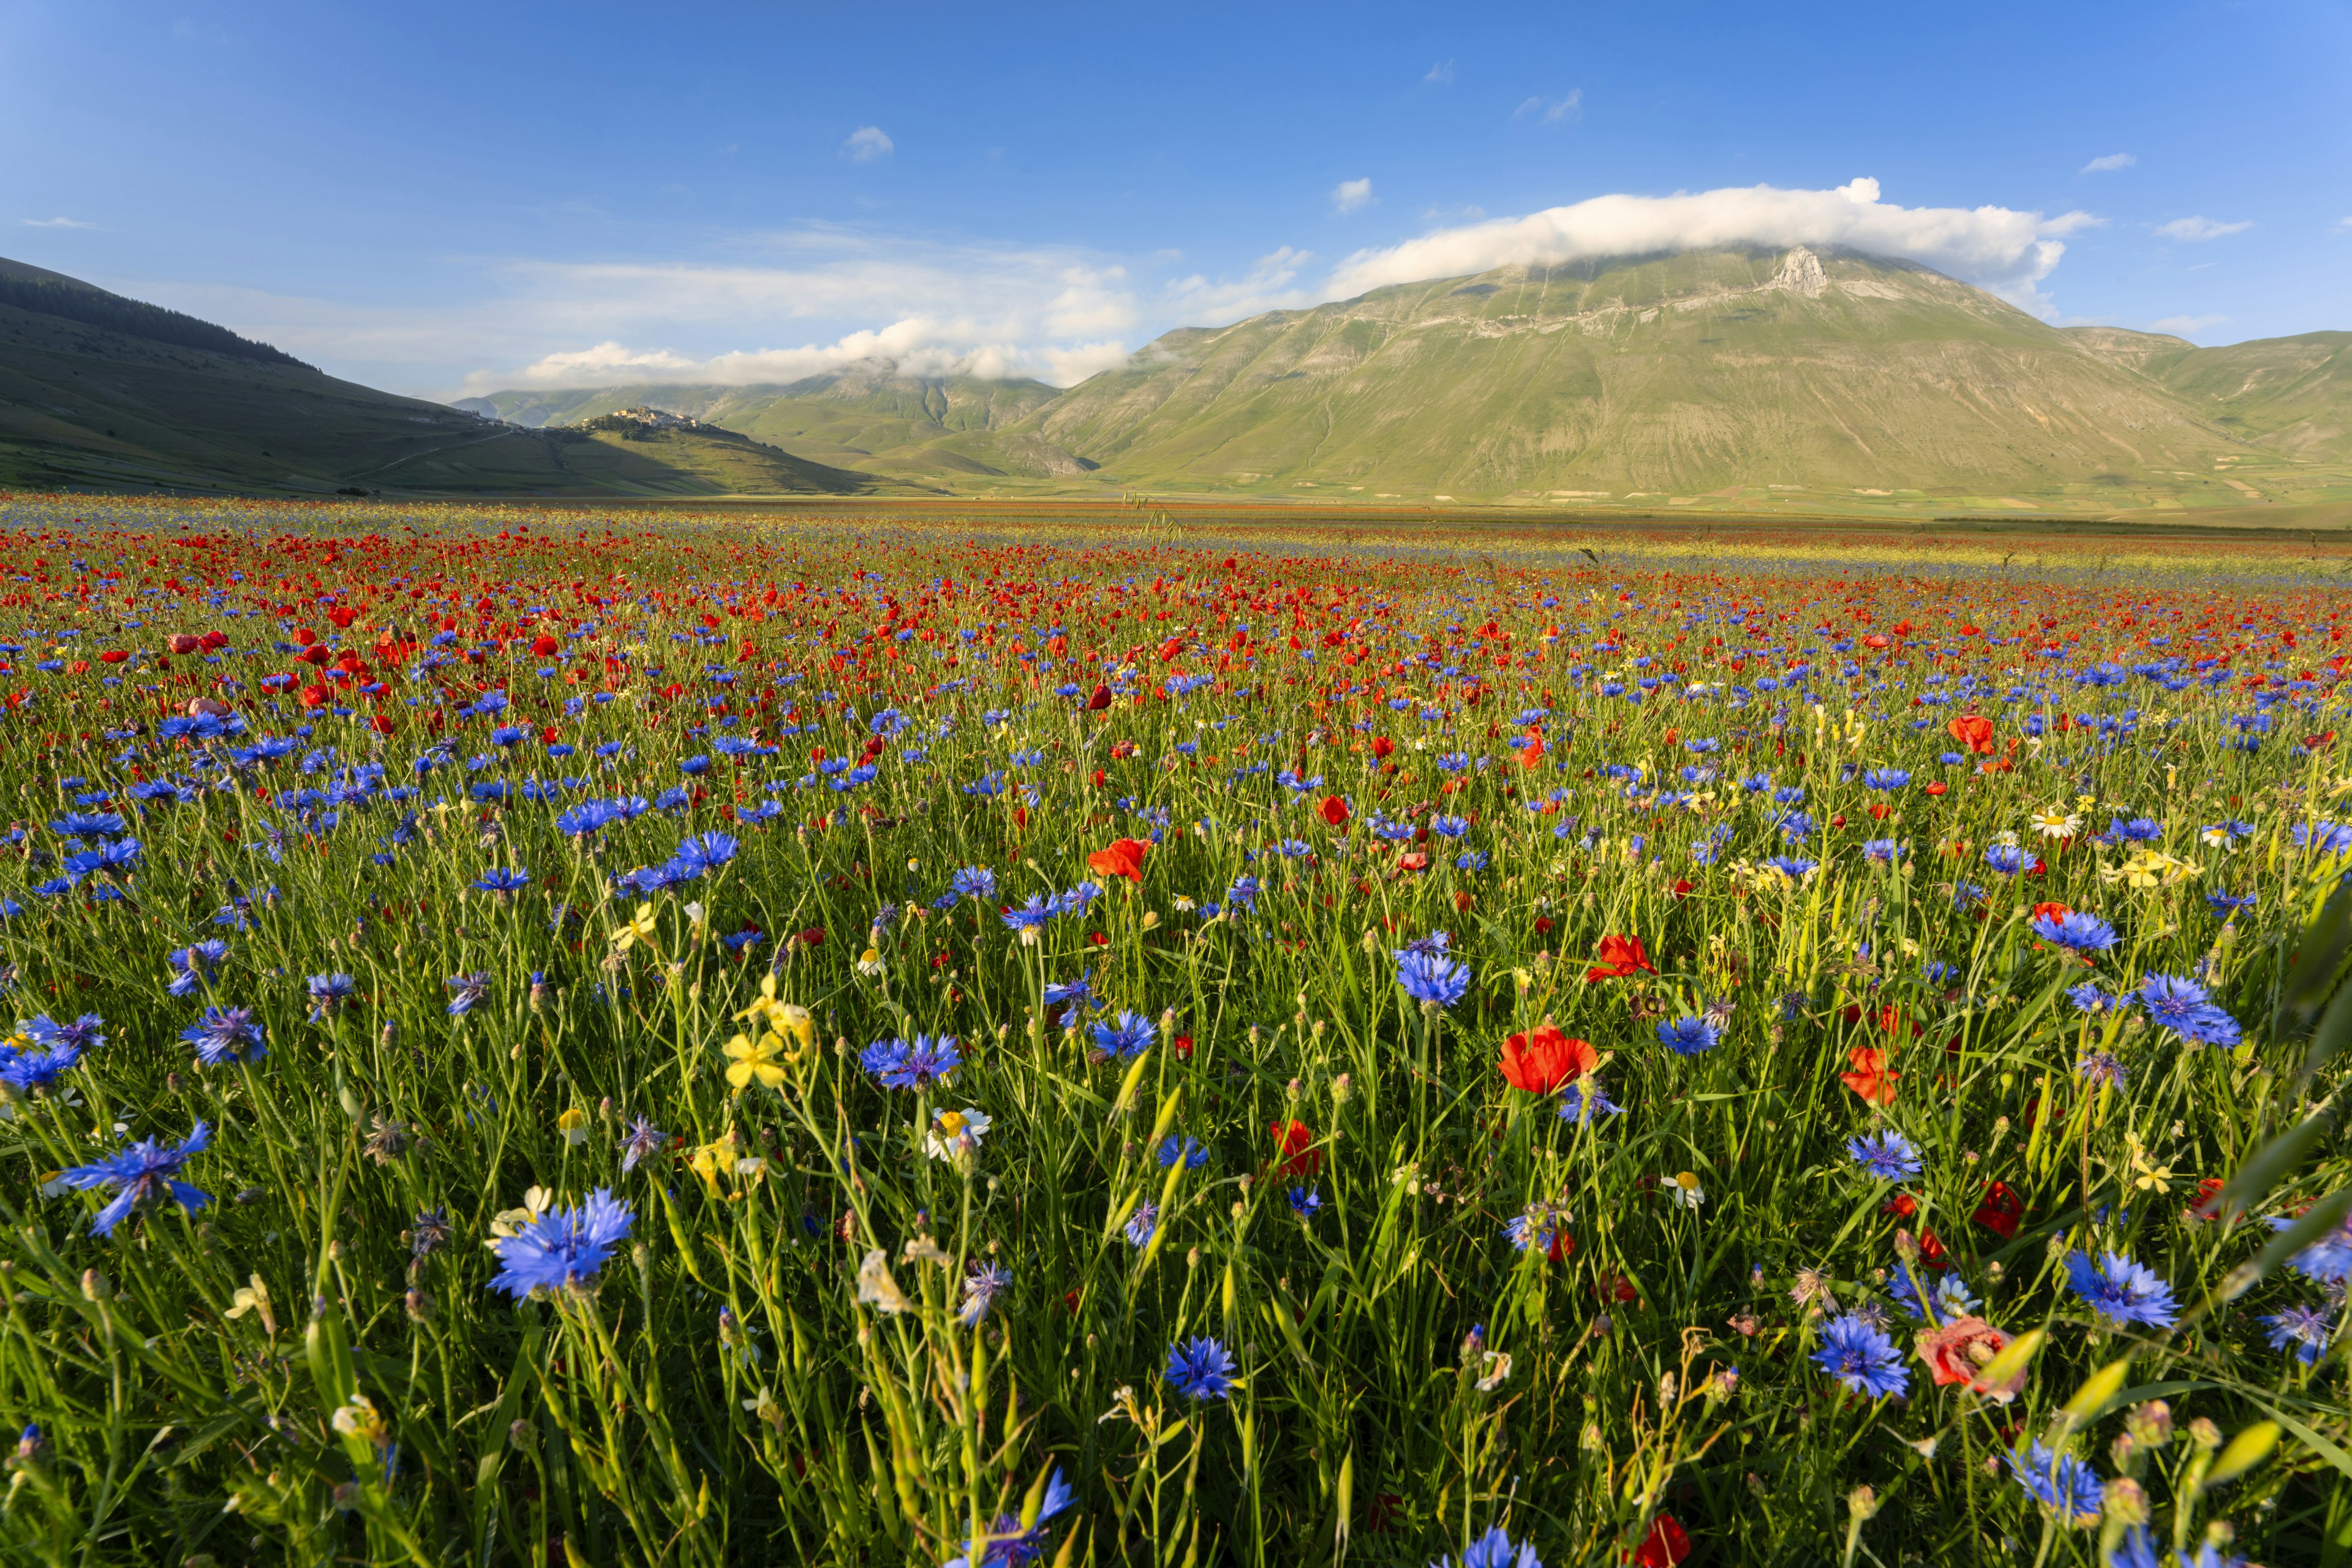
[1998, 248]
[2184, 324]
[57, 223]
[1350, 194]
[2110, 163]
[1552, 110]
[2344, 225]
[1266, 286]
[866, 143]
[1440, 75]
[2200, 228]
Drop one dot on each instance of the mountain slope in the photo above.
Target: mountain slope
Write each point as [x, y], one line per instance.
[98, 391]
[868, 417]
[1683, 374]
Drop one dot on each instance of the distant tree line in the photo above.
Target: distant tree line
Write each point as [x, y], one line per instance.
[132, 318]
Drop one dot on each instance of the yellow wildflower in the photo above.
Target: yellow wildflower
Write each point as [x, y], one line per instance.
[756, 1059]
[639, 927]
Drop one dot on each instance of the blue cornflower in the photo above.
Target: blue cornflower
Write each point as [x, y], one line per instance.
[1142, 1222]
[1584, 1092]
[2121, 1290]
[1449, 827]
[2077, 930]
[2007, 858]
[143, 1176]
[980, 1288]
[1951, 1298]
[1888, 1155]
[1689, 1037]
[2183, 1007]
[1008, 1543]
[562, 1248]
[1796, 868]
[226, 1034]
[1201, 1369]
[1189, 1150]
[195, 963]
[1881, 851]
[2139, 1550]
[2225, 903]
[1305, 1203]
[2327, 837]
[2304, 1327]
[2328, 1259]
[1888, 779]
[704, 851]
[2102, 1068]
[898, 1064]
[1063, 992]
[502, 881]
[1472, 860]
[86, 1032]
[38, 1070]
[1432, 978]
[2088, 997]
[1536, 1225]
[328, 992]
[1493, 1550]
[973, 882]
[645, 1140]
[1128, 1035]
[1859, 1354]
[466, 991]
[1243, 893]
[2061, 1483]
[1029, 916]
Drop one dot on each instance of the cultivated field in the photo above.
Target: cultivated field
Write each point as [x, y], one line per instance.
[560, 1038]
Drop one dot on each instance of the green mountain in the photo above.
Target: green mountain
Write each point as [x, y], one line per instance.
[869, 417]
[101, 391]
[1667, 376]
[1801, 379]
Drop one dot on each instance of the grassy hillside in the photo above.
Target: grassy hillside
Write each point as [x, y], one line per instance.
[2293, 393]
[1671, 376]
[116, 394]
[952, 428]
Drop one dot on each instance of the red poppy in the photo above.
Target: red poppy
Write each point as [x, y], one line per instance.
[1666, 1544]
[1100, 701]
[1543, 1059]
[1334, 810]
[1124, 858]
[813, 937]
[1296, 1144]
[1871, 1077]
[1973, 731]
[2000, 1211]
[2208, 1189]
[1383, 747]
[113, 656]
[543, 645]
[2050, 910]
[1620, 956]
[1412, 860]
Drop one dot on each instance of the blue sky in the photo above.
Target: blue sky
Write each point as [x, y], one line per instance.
[441, 198]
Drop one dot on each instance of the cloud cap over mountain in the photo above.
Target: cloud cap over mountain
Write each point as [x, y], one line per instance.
[2004, 250]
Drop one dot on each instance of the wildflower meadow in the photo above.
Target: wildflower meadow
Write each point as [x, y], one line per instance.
[558, 1037]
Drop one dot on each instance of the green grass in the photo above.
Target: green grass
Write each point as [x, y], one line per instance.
[774, 1364]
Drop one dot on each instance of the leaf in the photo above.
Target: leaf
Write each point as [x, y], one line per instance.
[2247, 1449]
[2272, 1161]
[2312, 973]
[2097, 1391]
[2334, 1027]
[2013, 1359]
